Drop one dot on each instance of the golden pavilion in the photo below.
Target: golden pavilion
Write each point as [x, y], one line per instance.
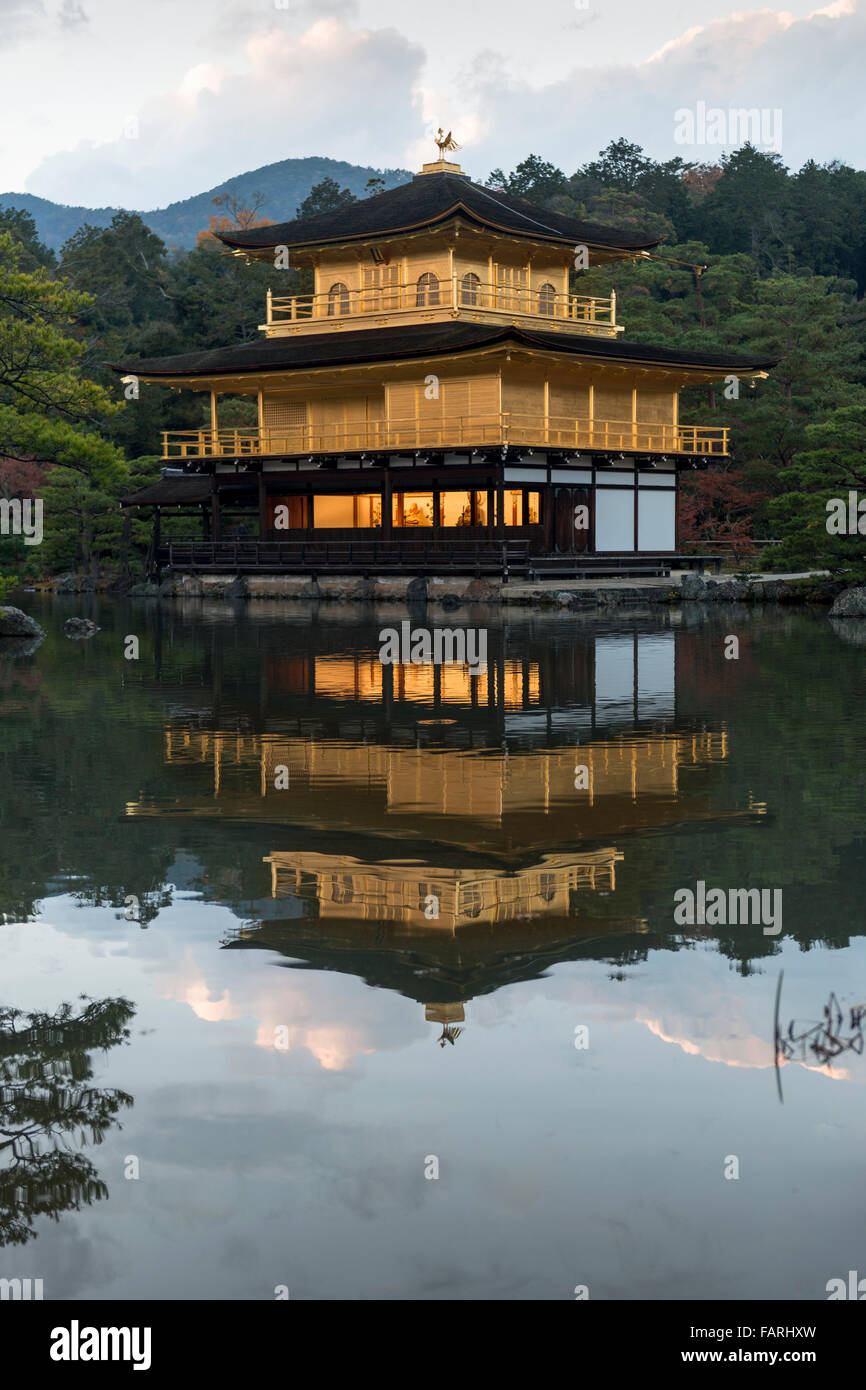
[444, 399]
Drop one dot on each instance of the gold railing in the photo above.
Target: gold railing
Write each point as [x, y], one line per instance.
[447, 294]
[535, 431]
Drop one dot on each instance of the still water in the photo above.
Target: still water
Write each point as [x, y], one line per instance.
[299, 931]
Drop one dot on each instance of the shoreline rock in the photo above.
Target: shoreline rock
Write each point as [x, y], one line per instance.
[851, 603]
[80, 628]
[14, 623]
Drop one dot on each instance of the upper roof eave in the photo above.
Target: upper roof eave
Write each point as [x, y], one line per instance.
[428, 201]
[431, 224]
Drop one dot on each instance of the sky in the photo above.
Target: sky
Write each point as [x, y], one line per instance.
[138, 105]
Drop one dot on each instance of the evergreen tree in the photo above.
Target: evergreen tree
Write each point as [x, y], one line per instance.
[324, 197]
[827, 471]
[49, 413]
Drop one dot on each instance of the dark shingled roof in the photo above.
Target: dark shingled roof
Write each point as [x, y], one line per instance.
[428, 200]
[416, 340]
[170, 490]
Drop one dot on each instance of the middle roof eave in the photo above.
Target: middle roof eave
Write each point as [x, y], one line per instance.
[364, 347]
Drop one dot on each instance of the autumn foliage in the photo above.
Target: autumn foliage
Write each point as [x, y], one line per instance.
[716, 509]
[238, 218]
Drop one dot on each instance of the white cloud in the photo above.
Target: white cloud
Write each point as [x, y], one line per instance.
[313, 84]
[19, 19]
[71, 14]
[810, 69]
[331, 90]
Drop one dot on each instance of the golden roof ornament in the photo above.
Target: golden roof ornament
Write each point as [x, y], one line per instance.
[445, 144]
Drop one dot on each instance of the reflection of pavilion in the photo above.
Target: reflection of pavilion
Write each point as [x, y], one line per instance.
[513, 802]
[347, 890]
[593, 685]
[386, 789]
[481, 911]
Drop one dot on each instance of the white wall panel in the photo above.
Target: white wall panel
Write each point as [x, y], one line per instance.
[614, 519]
[656, 520]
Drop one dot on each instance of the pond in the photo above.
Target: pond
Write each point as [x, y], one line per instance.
[330, 979]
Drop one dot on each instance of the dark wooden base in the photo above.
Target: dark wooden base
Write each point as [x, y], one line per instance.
[508, 559]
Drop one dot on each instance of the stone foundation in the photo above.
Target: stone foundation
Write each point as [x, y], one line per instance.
[451, 593]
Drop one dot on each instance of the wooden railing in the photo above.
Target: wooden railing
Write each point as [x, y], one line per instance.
[447, 294]
[535, 431]
[349, 557]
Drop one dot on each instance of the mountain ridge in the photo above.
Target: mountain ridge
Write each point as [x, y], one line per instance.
[283, 184]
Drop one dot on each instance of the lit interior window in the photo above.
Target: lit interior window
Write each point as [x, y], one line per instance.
[339, 513]
[412, 509]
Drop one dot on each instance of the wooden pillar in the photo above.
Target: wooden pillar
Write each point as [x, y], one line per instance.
[214, 418]
[263, 508]
[153, 555]
[205, 522]
[500, 506]
[215, 508]
[435, 506]
[387, 496]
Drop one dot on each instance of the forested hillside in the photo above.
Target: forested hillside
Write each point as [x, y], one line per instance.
[281, 188]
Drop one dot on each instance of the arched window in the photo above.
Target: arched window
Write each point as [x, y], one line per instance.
[547, 301]
[469, 287]
[428, 290]
[338, 299]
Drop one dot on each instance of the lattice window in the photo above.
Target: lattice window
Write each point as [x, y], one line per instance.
[381, 287]
[511, 286]
[285, 415]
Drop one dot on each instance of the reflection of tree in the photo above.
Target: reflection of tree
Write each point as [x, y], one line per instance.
[46, 1104]
[826, 1039]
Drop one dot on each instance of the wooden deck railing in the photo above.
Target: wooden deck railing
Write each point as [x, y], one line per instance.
[349, 557]
[456, 293]
[534, 431]
[401, 555]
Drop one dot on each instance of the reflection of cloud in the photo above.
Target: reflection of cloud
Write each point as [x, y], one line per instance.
[334, 1046]
[684, 998]
[211, 1011]
[748, 1050]
[309, 1011]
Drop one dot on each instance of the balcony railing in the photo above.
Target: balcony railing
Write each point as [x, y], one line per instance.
[534, 431]
[336, 306]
